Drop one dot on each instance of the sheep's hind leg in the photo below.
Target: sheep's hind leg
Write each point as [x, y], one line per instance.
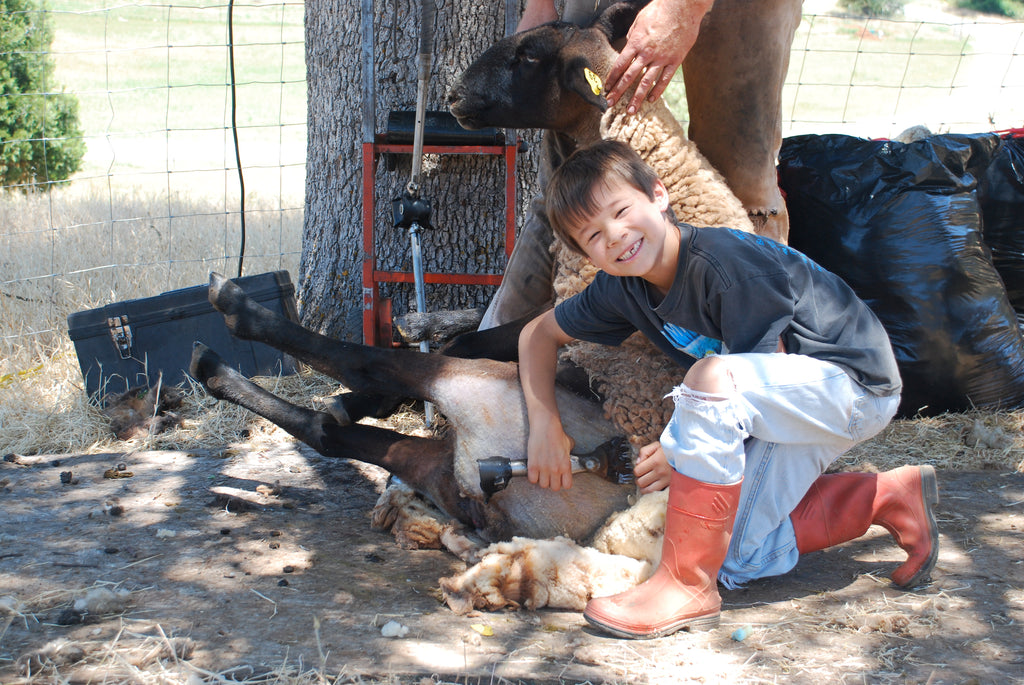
[424, 464]
[349, 407]
[247, 319]
[226, 383]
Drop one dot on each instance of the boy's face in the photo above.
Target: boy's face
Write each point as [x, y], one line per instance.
[628, 234]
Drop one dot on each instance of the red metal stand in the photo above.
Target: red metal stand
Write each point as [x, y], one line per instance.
[377, 312]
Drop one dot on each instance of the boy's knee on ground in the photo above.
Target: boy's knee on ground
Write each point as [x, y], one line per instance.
[710, 375]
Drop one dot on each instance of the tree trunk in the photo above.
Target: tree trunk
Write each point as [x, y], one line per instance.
[466, 191]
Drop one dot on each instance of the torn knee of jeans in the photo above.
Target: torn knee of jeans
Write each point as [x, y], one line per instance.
[682, 394]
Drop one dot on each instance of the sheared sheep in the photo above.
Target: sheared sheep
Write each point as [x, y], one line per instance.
[560, 89]
[522, 509]
[482, 400]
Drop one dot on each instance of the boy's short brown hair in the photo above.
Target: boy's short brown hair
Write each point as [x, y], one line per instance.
[570, 192]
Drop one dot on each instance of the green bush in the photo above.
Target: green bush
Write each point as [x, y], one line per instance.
[40, 138]
[1006, 8]
[873, 8]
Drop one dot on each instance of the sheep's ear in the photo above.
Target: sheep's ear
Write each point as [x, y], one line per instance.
[615, 21]
[585, 82]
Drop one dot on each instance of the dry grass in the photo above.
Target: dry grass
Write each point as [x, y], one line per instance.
[88, 245]
[45, 411]
[956, 442]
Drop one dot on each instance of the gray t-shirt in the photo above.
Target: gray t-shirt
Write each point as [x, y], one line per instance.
[737, 292]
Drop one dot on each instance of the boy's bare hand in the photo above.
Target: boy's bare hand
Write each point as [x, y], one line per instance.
[652, 469]
[548, 464]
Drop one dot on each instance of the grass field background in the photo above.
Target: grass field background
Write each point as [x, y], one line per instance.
[157, 204]
[151, 84]
[932, 66]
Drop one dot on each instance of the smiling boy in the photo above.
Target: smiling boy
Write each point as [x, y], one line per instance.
[787, 369]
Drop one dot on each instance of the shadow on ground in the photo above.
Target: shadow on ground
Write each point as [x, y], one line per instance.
[254, 558]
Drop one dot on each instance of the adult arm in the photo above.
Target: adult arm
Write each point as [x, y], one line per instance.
[535, 13]
[548, 446]
[657, 43]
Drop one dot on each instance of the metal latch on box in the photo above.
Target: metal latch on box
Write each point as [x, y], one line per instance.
[121, 335]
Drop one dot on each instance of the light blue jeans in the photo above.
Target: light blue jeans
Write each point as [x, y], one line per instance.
[788, 419]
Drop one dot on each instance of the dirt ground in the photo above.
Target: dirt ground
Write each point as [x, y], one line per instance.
[257, 564]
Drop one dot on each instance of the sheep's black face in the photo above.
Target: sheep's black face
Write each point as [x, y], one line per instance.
[515, 83]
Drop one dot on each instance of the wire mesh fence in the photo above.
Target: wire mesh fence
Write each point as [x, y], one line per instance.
[876, 77]
[176, 98]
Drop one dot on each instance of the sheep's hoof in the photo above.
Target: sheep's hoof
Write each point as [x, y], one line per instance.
[238, 309]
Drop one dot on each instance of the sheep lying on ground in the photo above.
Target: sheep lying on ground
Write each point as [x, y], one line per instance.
[498, 91]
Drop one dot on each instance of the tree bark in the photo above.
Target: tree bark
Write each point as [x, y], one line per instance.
[466, 191]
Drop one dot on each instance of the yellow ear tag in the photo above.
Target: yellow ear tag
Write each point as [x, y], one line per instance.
[594, 80]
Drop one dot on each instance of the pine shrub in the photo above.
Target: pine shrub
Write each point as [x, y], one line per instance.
[40, 138]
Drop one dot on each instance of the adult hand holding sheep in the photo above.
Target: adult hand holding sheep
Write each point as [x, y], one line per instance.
[657, 43]
[734, 56]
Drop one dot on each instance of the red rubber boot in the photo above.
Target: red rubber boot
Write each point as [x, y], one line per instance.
[842, 506]
[683, 592]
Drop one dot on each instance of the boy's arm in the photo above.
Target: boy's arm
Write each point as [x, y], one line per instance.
[548, 446]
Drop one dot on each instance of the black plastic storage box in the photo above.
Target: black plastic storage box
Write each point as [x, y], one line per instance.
[126, 344]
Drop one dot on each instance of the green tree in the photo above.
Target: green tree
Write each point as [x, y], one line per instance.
[40, 139]
[874, 8]
[1007, 8]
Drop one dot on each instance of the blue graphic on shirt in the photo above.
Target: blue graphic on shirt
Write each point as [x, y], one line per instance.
[691, 343]
[779, 247]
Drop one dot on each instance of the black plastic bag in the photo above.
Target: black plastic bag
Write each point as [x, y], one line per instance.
[901, 223]
[1001, 195]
